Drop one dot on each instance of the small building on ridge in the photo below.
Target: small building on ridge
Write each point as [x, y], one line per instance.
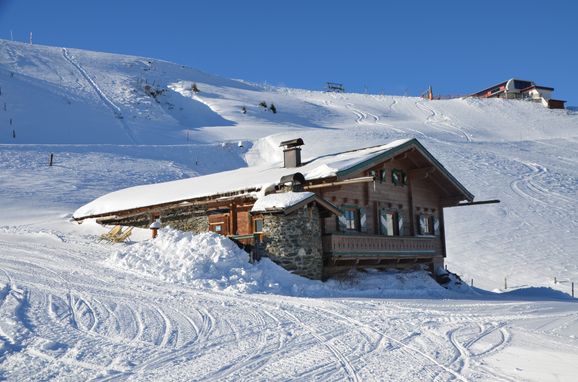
[522, 89]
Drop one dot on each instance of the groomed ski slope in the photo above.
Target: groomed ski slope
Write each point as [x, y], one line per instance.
[70, 311]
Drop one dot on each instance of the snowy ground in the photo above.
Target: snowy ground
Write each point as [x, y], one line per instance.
[70, 309]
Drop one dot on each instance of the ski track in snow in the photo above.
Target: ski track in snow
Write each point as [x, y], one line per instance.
[529, 187]
[117, 321]
[440, 122]
[106, 100]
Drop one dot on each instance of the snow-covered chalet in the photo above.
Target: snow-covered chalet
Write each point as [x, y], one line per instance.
[376, 207]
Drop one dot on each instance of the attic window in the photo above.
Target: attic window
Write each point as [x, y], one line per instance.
[398, 177]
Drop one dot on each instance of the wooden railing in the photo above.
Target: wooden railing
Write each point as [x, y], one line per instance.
[380, 246]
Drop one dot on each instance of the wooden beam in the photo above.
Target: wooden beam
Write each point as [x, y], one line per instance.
[233, 218]
[411, 208]
[363, 179]
[451, 201]
[494, 201]
[442, 229]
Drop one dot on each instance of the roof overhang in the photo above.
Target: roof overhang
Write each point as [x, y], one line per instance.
[407, 146]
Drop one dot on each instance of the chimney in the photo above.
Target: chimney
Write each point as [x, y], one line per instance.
[293, 182]
[292, 152]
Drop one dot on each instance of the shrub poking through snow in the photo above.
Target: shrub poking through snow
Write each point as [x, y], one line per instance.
[263, 104]
[194, 88]
[273, 108]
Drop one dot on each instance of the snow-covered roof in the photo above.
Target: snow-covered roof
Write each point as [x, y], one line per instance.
[281, 201]
[252, 181]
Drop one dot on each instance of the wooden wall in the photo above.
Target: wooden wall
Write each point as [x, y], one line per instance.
[419, 196]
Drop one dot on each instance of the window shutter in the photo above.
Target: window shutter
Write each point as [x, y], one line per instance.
[422, 227]
[342, 223]
[436, 226]
[395, 177]
[400, 225]
[382, 223]
[362, 220]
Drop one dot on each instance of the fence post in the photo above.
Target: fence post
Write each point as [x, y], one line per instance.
[555, 280]
[505, 283]
[472, 283]
[572, 288]
[51, 158]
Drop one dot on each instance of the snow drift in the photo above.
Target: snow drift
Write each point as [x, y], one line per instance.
[211, 261]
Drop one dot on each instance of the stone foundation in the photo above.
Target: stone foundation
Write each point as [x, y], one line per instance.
[294, 241]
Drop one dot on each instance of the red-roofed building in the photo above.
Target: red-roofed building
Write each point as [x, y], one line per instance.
[522, 89]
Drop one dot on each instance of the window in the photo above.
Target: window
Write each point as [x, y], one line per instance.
[382, 175]
[388, 223]
[217, 227]
[398, 177]
[428, 225]
[352, 219]
[258, 225]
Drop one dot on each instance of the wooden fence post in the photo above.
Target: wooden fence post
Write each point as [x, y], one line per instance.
[572, 288]
[472, 283]
[51, 158]
[505, 283]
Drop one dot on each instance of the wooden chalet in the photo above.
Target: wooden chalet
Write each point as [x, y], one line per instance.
[377, 207]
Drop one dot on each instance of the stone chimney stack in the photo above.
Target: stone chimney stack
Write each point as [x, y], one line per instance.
[292, 152]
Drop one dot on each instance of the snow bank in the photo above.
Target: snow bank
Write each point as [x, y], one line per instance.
[211, 261]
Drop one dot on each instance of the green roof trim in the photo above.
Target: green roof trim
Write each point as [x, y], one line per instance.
[400, 149]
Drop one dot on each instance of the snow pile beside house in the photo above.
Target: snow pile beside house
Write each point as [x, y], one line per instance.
[211, 261]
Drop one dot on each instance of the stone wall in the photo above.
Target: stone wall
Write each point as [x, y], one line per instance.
[195, 224]
[294, 241]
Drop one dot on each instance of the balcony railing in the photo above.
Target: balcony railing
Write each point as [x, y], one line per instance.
[356, 246]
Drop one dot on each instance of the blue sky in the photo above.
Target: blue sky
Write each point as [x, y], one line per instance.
[386, 47]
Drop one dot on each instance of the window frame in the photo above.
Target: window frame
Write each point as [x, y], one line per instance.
[395, 221]
[255, 222]
[354, 220]
[430, 220]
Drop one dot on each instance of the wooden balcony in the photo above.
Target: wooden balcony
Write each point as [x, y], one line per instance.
[355, 247]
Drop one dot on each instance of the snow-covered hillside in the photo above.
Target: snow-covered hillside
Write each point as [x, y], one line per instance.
[115, 121]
